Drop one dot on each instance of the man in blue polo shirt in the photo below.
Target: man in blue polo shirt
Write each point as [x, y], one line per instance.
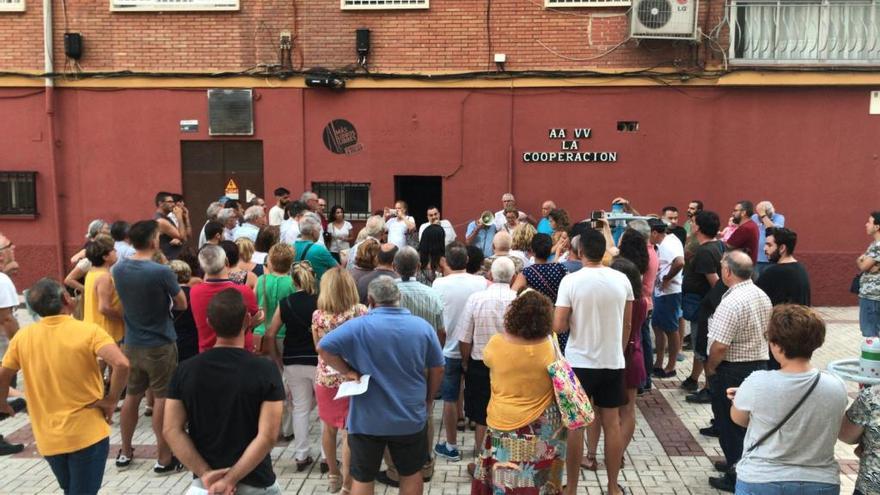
[394, 348]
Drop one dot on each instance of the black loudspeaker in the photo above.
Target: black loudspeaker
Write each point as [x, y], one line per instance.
[363, 41]
[73, 45]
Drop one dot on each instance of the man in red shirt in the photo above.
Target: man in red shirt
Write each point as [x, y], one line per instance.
[213, 261]
[745, 238]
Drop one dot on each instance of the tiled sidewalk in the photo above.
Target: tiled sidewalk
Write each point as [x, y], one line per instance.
[667, 455]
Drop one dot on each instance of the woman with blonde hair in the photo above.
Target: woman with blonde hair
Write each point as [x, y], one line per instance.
[337, 303]
[299, 359]
[246, 252]
[521, 242]
[272, 287]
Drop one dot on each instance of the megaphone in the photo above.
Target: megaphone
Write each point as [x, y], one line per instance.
[487, 218]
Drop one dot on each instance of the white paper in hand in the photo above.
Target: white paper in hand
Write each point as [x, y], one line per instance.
[347, 389]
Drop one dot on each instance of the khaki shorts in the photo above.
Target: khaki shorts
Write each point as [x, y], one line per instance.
[151, 368]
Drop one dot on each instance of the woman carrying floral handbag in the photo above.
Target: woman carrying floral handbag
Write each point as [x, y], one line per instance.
[524, 450]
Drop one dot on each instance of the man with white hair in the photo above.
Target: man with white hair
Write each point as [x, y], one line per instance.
[254, 220]
[508, 201]
[482, 318]
[766, 217]
[229, 218]
[214, 263]
[313, 203]
[395, 348]
[309, 248]
[501, 248]
[212, 212]
[373, 229]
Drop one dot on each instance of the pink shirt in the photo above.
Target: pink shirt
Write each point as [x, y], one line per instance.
[650, 276]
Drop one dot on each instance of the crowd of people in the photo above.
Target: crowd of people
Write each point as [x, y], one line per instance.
[236, 330]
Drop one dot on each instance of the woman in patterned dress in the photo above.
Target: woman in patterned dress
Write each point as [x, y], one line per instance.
[543, 276]
[524, 449]
[337, 303]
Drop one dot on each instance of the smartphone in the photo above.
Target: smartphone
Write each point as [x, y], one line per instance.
[392, 212]
[596, 215]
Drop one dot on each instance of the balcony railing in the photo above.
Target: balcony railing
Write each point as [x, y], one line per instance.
[820, 32]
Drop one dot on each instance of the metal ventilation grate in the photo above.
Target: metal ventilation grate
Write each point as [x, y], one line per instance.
[230, 112]
[654, 14]
[167, 5]
[383, 4]
[586, 3]
[11, 5]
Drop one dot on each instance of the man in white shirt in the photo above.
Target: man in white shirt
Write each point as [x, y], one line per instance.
[667, 297]
[398, 223]
[508, 201]
[8, 294]
[254, 220]
[595, 304]
[454, 287]
[434, 218]
[290, 227]
[276, 213]
[212, 212]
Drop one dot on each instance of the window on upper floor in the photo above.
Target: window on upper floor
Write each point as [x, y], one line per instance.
[18, 193]
[382, 4]
[805, 32]
[354, 197]
[171, 5]
[11, 5]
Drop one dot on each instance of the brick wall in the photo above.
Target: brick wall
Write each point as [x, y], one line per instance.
[454, 35]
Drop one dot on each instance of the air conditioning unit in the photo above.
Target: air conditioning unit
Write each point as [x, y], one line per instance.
[664, 19]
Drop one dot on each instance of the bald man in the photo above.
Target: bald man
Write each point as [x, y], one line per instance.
[766, 217]
[544, 225]
[737, 348]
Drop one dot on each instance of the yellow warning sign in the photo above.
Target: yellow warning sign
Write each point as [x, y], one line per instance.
[231, 189]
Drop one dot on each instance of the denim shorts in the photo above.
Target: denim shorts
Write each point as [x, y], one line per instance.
[667, 311]
[869, 317]
[451, 387]
[786, 488]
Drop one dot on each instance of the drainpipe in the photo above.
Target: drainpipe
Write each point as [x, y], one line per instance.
[48, 68]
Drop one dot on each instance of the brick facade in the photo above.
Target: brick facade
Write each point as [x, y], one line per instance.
[453, 35]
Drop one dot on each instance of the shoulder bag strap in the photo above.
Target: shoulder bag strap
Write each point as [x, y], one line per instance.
[787, 416]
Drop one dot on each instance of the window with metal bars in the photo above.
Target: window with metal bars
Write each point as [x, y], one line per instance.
[18, 193]
[354, 197]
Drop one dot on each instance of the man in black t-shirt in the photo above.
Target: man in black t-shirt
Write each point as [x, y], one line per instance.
[232, 402]
[785, 280]
[701, 273]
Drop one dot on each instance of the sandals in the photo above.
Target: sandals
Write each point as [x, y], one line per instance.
[589, 463]
[334, 483]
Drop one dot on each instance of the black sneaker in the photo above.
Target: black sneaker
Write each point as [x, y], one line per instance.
[725, 483]
[7, 448]
[701, 397]
[690, 384]
[709, 431]
[123, 461]
[720, 466]
[173, 467]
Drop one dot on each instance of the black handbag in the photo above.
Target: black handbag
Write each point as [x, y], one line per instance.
[856, 284]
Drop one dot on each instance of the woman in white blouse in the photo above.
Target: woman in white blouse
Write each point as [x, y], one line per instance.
[340, 232]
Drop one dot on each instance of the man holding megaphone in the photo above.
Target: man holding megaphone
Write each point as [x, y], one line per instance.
[481, 231]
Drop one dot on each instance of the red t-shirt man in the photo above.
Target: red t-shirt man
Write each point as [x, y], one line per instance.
[745, 237]
[201, 294]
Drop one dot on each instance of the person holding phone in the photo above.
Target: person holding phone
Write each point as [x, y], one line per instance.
[398, 224]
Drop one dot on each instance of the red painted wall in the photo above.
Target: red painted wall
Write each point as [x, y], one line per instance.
[809, 150]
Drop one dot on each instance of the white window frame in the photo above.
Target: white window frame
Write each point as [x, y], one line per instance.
[384, 4]
[13, 6]
[556, 4]
[173, 5]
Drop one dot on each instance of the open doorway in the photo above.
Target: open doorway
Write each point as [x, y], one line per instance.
[420, 192]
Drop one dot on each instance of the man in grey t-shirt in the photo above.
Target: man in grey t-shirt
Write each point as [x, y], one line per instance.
[148, 291]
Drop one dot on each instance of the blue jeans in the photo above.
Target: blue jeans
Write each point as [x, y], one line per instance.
[786, 488]
[81, 472]
[869, 317]
[647, 349]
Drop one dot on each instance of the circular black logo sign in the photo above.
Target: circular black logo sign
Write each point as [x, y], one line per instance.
[341, 137]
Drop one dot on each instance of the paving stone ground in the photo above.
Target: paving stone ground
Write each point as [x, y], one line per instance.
[667, 455]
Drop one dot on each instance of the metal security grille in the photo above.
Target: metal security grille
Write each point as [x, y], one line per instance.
[165, 5]
[354, 197]
[383, 4]
[18, 193]
[11, 5]
[806, 32]
[586, 3]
